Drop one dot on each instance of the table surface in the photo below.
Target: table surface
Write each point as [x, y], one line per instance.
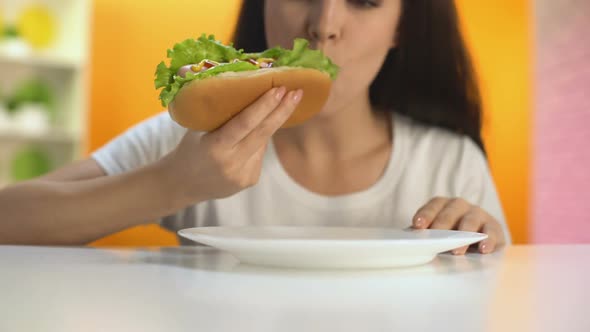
[520, 288]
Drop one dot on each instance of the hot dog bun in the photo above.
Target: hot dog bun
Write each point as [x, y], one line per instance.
[207, 104]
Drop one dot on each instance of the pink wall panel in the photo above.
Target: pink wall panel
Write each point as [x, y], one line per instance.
[561, 156]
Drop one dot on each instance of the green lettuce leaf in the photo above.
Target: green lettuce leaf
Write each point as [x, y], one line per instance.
[163, 75]
[167, 95]
[302, 56]
[193, 51]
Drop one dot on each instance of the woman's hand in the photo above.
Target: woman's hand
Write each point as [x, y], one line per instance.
[229, 159]
[458, 214]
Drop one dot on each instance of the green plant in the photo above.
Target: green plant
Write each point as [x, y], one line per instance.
[10, 31]
[32, 91]
[30, 162]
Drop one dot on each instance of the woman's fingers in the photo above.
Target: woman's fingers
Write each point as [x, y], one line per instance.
[451, 214]
[445, 213]
[253, 166]
[241, 125]
[260, 135]
[428, 212]
[495, 237]
[441, 213]
[471, 222]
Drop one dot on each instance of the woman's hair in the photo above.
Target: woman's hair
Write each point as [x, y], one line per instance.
[428, 76]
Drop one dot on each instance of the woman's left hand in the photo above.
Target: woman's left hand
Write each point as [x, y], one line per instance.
[458, 214]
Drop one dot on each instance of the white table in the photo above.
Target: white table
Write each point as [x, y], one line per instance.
[522, 288]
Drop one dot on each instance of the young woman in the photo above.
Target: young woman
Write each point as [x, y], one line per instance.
[398, 143]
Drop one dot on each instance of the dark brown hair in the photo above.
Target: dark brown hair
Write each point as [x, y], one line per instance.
[428, 76]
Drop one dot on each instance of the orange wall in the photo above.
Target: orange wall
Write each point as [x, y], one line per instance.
[500, 37]
[129, 40]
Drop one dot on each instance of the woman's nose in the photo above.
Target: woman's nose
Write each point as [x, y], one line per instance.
[325, 20]
[319, 34]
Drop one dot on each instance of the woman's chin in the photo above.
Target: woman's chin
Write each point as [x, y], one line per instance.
[325, 113]
[330, 108]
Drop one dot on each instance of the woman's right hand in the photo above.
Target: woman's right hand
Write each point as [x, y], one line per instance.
[225, 161]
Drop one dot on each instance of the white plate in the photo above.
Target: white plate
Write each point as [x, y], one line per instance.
[331, 247]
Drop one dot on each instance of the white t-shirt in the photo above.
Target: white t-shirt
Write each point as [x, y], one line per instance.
[425, 162]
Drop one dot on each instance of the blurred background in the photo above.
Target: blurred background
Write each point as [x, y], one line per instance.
[76, 73]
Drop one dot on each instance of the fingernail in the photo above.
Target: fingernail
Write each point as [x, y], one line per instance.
[419, 222]
[280, 93]
[456, 252]
[297, 96]
[483, 247]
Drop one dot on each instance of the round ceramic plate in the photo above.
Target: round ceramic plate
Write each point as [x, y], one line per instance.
[331, 247]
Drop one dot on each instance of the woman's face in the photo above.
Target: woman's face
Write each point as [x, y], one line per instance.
[355, 34]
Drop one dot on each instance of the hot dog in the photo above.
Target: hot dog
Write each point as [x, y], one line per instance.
[207, 82]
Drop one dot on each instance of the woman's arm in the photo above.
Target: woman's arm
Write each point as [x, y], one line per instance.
[78, 204]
